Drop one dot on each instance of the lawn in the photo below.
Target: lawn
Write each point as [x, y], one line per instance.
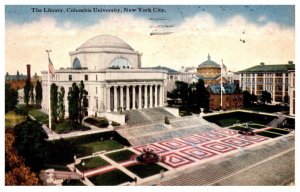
[120, 156]
[236, 128]
[91, 163]
[72, 182]
[100, 122]
[146, 170]
[228, 119]
[114, 177]
[268, 134]
[12, 119]
[280, 131]
[92, 147]
[256, 126]
[65, 127]
[39, 116]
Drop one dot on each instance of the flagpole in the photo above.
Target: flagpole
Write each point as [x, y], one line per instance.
[221, 86]
[50, 126]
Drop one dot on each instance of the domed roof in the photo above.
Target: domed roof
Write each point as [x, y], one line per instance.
[209, 64]
[105, 41]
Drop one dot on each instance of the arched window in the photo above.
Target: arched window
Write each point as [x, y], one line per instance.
[121, 63]
[76, 63]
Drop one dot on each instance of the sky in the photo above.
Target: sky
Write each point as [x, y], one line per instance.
[240, 35]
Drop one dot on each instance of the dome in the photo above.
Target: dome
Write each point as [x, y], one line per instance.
[104, 42]
[209, 64]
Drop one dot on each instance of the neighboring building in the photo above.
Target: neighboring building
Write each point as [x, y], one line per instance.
[210, 72]
[292, 92]
[16, 81]
[230, 99]
[271, 78]
[172, 76]
[112, 74]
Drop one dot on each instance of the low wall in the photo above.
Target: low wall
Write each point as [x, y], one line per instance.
[173, 111]
[119, 118]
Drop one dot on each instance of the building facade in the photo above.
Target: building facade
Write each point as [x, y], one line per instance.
[271, 78]
[230, 98]
[292, 92]
[112, 75]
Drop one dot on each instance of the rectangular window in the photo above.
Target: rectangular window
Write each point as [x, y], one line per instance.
[86, 77]
[96, 90]
[96, 78]
[70, 77]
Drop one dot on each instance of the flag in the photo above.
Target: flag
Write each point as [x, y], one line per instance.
[224, 68]
[51, 68]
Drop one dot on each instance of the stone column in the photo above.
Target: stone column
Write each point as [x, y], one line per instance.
[155, 96]
[140, 97]
[146, 96]
[151, 97]
[127, 98]
[115, 99]
[133, 97]
[121, 97]
[108, 98]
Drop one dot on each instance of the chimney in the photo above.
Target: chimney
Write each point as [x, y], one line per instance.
[28, 73]
[290, 62]
[262, 63]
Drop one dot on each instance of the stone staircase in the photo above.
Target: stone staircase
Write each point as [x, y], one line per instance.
[208, 174]
[276, 122]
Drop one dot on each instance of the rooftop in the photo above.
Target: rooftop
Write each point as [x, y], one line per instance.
[270, 68]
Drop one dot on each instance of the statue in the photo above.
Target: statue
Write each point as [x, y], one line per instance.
[167, 120]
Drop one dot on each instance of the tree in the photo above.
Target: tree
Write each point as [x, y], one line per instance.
[266, 97]
[27, 89]
[53, 102]
[30, 142]
[38, 93]
[31, 93]
[11, 98]
[82, 102]
[181, 91]
[61, 104]
[73, 96]
[202, 95]
[253, 98]
[247, 98]
[16, 173]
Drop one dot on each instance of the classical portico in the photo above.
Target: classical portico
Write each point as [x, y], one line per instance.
[130, 96]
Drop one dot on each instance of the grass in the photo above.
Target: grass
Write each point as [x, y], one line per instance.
[72, 182]
[65, 127]
[100, 122]
[236, 128]
[266, 108]
[280, 131]
[146, 170]
[268, 134]
[12, 119]
[228, 119]
[39, 116]
[114, 177]
[91, 163]
[92, 147]
[120, 156]
[256, 126]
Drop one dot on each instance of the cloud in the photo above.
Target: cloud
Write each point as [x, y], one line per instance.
[188, 45]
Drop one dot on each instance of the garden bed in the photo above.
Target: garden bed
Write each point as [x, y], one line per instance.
[111, 178]
[100, 122]
[92, 147]
[146, 170]
[65, 127]
[39, 116]
[119, 156]
[91, 163]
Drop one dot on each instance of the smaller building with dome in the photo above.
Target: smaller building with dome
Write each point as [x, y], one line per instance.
[210, 72]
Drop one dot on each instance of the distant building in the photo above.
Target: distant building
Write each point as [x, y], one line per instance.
[292, 91]
[271, 78]
[210, 72]
[230, 99]
[17, 81]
